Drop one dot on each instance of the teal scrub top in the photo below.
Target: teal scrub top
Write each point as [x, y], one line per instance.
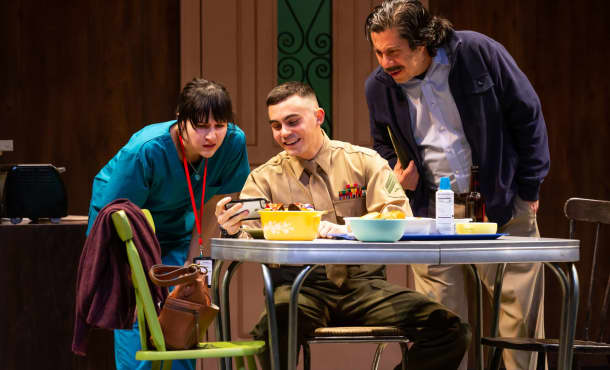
[148, 172]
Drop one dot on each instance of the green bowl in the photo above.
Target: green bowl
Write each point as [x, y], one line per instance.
[376, 230]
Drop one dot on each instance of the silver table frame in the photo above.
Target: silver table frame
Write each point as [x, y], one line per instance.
[557, 254]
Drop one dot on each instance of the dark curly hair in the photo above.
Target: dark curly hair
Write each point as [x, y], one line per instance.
[413, 22]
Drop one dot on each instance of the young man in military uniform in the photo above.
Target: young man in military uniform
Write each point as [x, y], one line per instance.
[314, 169]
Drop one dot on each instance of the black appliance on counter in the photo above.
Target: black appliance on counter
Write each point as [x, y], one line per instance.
[34, 191]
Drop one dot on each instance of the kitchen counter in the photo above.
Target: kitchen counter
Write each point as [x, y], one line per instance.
[39, 265]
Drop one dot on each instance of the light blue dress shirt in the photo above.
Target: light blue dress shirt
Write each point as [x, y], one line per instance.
[437, 126]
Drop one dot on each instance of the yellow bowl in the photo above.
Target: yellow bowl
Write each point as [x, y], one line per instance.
[290, 225]
[476, 228]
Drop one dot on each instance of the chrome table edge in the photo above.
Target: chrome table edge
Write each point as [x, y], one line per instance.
[324, 251]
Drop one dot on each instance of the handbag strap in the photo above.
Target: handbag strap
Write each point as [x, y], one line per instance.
[166, 275]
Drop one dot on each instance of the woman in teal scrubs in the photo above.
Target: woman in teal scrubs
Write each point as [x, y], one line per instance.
[150, 171]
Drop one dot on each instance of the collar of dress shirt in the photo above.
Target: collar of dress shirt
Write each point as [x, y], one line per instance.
[322, 159]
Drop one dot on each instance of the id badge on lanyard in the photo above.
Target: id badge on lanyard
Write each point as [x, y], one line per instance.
[206, 264]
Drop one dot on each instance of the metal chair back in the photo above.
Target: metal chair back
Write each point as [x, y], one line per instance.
[596, 212]
[242, 351]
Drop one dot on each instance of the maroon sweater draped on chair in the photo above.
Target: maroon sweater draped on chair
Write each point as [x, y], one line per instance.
[105, 295]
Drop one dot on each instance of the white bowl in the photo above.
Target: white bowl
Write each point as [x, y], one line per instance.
[456, 221]
[420, 226]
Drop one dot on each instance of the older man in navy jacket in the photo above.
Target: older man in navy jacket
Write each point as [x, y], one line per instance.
[454, 99]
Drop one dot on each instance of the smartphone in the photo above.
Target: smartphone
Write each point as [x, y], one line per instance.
[251, 205]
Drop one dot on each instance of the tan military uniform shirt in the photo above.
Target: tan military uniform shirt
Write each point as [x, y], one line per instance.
[280, 180]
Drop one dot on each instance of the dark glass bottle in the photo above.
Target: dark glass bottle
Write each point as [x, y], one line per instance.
[475, 204]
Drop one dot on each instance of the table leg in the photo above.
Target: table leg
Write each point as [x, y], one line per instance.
[271, 319]
[495, 318]
[225, 308]
[573, 315]
[216, 300]
[569, 311]
[478, 331]
[292, 315]
[556, 268]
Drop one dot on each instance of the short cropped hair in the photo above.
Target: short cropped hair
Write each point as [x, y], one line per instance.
[201, 99]
[413, 22]
[284, 91]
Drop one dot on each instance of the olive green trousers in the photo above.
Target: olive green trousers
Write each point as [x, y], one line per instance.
[440, 337]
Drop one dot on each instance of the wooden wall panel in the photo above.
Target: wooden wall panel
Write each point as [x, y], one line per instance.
[353, 61]
[239, 52]
[559, 45]
[190, 40]
[77, 79]
[10, 67]
[81, 77]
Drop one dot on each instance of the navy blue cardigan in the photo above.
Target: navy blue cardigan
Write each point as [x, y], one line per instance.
[501, 116]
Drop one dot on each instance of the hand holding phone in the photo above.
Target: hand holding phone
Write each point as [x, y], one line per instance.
[251, 205]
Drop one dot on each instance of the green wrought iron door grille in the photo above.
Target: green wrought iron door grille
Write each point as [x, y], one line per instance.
[305, 48]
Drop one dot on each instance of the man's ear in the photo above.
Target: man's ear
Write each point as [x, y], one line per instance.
[320, 114]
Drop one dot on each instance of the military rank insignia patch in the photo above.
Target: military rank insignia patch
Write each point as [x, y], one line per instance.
[352, 191]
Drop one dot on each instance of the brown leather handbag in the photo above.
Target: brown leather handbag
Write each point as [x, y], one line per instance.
[188, 310]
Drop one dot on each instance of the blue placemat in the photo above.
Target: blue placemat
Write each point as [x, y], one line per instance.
[430, 237]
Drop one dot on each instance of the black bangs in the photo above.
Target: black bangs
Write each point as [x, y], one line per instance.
[201, 100]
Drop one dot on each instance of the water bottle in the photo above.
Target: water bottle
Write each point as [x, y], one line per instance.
[444, 208]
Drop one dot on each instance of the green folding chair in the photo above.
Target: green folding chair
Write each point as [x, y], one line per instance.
[147, 317]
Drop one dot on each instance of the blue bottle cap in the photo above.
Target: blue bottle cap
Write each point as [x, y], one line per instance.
[445, 184]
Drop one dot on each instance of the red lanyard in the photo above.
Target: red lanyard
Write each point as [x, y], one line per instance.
[199, 217]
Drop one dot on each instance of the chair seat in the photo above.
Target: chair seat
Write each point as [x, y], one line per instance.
[358, 331]
[358, 334]
[545, 345]
[205, 350]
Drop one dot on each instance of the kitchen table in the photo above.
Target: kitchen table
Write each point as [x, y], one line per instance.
[557, 254]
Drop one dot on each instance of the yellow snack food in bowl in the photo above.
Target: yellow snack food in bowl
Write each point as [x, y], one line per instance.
[393, 215]
[371, 216]
[387, 215]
